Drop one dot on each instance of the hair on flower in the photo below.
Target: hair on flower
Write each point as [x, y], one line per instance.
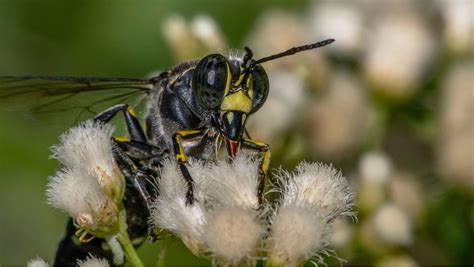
[297, 234]
[37, 262]
[320, 185]
[88, 147]
[92, 261]
[233, 234]
[170, 211]
[80, 195]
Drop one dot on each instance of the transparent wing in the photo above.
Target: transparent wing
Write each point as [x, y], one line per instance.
[46, 97]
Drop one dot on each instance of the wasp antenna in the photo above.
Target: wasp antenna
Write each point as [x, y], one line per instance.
[294, 50]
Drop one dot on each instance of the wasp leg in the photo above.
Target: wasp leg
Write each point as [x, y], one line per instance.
[132, 158]
[133, 125]
[264, 149]
[180, 154]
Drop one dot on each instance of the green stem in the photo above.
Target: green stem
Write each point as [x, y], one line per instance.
[125, 242]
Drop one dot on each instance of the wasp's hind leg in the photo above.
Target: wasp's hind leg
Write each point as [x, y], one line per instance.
[178, 139]
[264, 149]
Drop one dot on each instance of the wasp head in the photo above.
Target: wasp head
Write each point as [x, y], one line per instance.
[236, 87]
[232, 87]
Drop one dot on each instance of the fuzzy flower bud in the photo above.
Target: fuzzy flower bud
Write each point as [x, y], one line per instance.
[88, 147]
[318, 185]
[170, 210]
[80, 195]
[232, 234]
[233, 183]
[223, 219]
[312, 197]
[37, 262]
[298, 232]
[92, 261]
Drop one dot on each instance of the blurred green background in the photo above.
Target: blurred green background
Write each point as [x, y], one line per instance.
[390, 104]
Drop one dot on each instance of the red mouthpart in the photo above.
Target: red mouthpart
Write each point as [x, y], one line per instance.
[232, 147]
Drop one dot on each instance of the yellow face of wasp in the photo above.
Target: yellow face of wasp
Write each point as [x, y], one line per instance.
[236, 105]
[238, 96]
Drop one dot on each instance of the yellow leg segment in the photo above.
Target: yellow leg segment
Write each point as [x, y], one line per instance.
[180, 155]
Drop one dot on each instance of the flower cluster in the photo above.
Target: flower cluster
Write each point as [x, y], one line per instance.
[227, 222]
[90, 186]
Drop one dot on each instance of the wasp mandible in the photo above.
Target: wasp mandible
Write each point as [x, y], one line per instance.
[191, 109]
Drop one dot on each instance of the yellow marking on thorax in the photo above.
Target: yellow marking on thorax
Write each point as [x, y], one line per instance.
[188, 132]
[121, 139]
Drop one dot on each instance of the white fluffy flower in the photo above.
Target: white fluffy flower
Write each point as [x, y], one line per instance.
[298, 233]
[170, 211]
[285, 101]
[232, 234]
[232, 183]
[224, 210]
[79, 194]
[92, 261]
[318, 185]
[88, 147]
[37, 262]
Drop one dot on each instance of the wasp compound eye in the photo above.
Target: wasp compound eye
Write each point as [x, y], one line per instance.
[211, 78]
[260, 87]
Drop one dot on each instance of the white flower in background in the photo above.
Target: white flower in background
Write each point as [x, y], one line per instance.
[375, 167]
[397, 260]
[340, 20]
[375, 171]
[232, 234]
[456, 144]
[276, 31]
[79, 194]
[37, 262]
[298, 232]
[206, 30]
[190, 39]
[170, 210]
[92, 261]
[400, 47]
[286, 100]
[178, 35]
[406, 192]
[336, 123]
[342, 233]
[458, 24]
[88, 148]
[392, 225]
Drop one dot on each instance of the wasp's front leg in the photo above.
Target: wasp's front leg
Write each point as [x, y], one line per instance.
[264, 149]
[178, 139]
